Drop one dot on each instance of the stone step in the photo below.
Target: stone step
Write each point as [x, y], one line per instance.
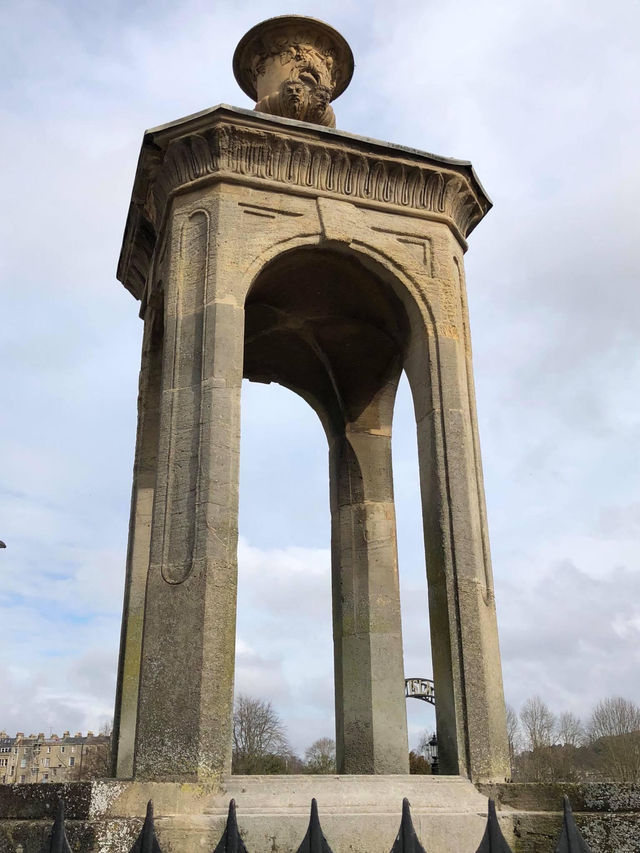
[349, 794]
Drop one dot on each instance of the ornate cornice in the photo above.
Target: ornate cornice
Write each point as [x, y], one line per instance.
[241, 145]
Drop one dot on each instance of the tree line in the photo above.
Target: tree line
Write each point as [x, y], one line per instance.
[260, 743]
[543, 746]
[548, 747]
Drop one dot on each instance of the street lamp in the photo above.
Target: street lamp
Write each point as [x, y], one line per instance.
[432, 754]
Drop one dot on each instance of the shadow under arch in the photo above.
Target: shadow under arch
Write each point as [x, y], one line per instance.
[322, 324]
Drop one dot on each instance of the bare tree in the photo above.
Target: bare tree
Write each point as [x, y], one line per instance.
[321, 756]
[107, 727]
[423, 743]
[569, 730]
[513, 733]
[538, 723]
[614, 731]
[95, 760]
[258, 737]
[564, 749]
[614, 716]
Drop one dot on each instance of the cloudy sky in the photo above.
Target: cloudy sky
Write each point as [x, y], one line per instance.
[542, 96]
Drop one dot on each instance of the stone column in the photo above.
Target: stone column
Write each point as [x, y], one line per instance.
[186, 687]
[371, 720]
[144, 480]
[470, 710]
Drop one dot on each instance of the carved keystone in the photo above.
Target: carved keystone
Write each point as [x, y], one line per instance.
[338, 219]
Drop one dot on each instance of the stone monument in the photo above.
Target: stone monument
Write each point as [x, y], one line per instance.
[267, 245]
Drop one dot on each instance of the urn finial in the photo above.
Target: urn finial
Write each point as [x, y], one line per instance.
[294, 66]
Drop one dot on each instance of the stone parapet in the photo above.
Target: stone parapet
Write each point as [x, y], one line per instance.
[607, 814]
[547, 796]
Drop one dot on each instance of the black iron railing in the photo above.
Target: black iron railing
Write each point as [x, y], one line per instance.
[493, 841]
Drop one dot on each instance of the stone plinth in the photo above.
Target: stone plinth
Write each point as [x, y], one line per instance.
[359, 814]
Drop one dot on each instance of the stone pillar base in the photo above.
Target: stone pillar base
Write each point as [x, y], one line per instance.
[358, 814]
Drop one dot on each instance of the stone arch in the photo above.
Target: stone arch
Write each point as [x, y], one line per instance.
[358, 429]
[338, 316]
[382, 264]
[321, 323]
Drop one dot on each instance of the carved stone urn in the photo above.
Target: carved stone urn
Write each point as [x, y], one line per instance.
[294, 67]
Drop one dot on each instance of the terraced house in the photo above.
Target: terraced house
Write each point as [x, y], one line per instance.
[37, 758]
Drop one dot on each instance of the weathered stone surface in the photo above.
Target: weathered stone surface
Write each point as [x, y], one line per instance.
[604, 833]
[547, 796]
[607, 814]
[24, 802]
[144, 483]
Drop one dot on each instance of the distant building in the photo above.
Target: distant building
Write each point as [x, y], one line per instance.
[53, 759]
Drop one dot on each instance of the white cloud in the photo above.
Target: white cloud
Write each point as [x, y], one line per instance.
[572, 637]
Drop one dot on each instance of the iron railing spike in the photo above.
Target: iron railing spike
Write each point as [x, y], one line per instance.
[315, 830]
[147, 842]
[571, 840]
[406, 840]
[59, 843]
[231, 842]
[493, 841]
[314, 840]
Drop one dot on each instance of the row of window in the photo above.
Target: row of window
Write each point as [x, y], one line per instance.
[4, 762]
[27, 748]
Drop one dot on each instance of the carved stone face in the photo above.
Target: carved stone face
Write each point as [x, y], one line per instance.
[294, 93]
[319, 98]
